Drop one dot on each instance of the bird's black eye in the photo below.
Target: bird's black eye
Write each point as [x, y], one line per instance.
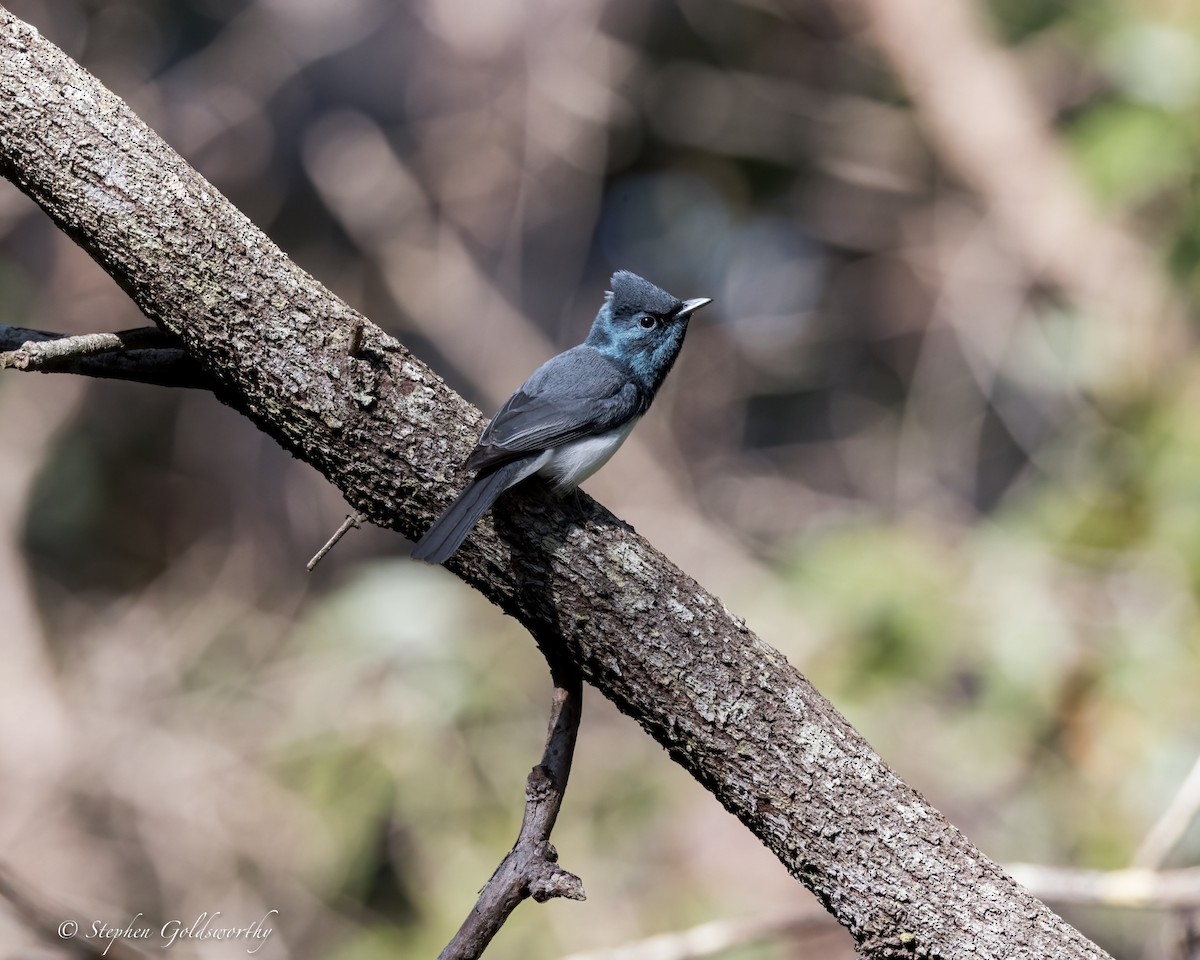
[648, 322]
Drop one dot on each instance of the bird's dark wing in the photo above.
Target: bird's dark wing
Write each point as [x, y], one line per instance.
[577, 394]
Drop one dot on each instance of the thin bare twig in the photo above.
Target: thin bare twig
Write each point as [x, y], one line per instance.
[42, 353]
[1132, 889]
[143, 355]
[531, 868]
[352, 520]
[1173, 823]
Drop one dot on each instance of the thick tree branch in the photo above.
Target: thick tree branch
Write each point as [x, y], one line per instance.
[389, 434]
[531, 868]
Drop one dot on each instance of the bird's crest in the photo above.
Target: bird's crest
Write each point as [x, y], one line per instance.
[631, 294]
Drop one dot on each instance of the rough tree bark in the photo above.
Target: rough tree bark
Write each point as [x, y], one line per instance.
[386, 430]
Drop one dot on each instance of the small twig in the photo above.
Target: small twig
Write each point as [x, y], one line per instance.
[144, 355]
[354, 520]
[531, 868]
[1132, 889]
[1173, 823]
[709, 939]
[47, 351]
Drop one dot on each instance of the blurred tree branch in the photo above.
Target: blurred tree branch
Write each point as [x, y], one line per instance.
[384, 429]
[1173, 823]
[719, 937]
[989, 127]
[47, 918]
[1132, 888]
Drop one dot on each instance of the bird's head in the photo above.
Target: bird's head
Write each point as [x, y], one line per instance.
[642, 326]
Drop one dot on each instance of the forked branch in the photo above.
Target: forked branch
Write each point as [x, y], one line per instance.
[531, 868]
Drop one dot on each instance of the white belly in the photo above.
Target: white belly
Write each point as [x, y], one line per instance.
[571, 463]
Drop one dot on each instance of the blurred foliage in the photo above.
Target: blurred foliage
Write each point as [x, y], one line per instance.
[991, 567]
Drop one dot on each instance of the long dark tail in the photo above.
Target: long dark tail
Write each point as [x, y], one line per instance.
[451, 528]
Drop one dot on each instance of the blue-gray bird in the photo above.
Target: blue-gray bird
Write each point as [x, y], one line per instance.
[570, 416]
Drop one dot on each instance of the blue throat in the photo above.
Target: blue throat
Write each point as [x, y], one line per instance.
[648, 361]
[653, 368]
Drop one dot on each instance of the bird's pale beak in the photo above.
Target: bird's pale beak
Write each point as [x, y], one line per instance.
[691, 306]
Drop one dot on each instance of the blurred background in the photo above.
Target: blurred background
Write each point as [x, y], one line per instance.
[937, 440]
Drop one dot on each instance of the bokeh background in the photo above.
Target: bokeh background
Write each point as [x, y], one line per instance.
[937, 439]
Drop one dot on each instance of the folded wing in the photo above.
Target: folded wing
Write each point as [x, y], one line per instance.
[577, 394]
